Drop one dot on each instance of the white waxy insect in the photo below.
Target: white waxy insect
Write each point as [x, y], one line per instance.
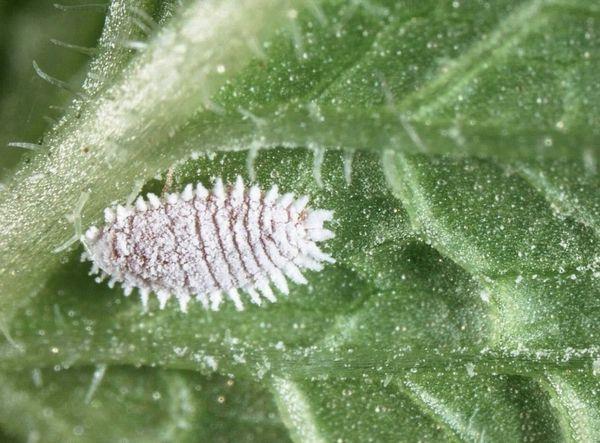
[209, 245]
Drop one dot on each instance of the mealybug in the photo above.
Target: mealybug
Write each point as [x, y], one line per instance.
[207, 244]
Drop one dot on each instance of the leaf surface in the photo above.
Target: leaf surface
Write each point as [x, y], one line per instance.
[457, 144]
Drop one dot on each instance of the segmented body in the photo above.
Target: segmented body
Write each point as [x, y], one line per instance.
[209, 244]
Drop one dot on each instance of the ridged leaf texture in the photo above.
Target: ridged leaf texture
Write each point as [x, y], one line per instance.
[457, 143]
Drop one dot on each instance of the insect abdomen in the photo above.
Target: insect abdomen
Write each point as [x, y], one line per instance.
[209, 244]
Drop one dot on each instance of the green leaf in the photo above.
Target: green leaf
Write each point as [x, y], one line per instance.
[117, 403]
[540, 268]
[457, 143]
[147, 115]
[344, 409]
[575, 397]
[28, 105]
[489, 407]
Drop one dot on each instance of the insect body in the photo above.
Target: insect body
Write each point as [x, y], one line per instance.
[209, 244]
